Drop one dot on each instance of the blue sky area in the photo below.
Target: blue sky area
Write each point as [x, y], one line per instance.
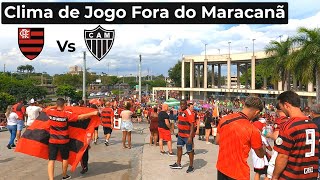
[161, 46]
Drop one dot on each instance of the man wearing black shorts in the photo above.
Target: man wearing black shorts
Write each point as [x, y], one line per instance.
[59, 135]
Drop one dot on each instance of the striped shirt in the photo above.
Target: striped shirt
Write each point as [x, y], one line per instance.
[299, 139]
[106, 117]
[58, 120]
[185, 119]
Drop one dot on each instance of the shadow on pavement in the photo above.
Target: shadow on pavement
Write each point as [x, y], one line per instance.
[6, 160]
[98, 168]
[199, 163]
[200, 151]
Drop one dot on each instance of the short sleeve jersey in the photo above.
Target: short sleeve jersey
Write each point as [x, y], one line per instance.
[237, 137]
[278, 122]
[299, 139]
[162, 116]
[58, 120]
[185, 119]
[107, 115]
[20, 110]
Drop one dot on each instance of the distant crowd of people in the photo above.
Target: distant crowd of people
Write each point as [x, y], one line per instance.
[283, 141]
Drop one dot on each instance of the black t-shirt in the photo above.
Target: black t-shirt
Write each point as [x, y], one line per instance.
[161, 120]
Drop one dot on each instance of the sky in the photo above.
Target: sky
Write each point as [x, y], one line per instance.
[161, 46]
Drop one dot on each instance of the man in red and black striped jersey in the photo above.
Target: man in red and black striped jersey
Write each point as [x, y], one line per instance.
[59, 135]
[298, 142]
[20, 110]
[107, 116]
[186, 121]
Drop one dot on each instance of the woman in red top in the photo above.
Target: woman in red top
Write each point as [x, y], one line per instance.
[154, 127]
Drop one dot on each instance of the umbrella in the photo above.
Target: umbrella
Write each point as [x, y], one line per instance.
[96, 101]
[170, 104]
[207, 106]
[172, 100]
[152, 103]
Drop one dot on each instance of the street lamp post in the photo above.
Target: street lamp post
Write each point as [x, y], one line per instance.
[229, 68]
[84, 78]
[253, 46]
[280, 37]
[219, 51]
[229, 48]
[205, 51]
[140, 78]
[246, 49]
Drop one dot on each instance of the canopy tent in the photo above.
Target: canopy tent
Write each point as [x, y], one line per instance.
[172, 102]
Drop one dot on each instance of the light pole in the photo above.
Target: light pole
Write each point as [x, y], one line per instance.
[246, 49]
[253, 46]
[229, 48]
[140, 78]
[84, 78]
[219, 51]
[205, 51]
[280, 37]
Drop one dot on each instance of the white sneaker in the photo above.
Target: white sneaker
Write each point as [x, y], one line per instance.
[208, 143]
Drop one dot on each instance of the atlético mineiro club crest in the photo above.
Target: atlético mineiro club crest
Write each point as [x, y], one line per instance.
[31, 41]
[99, 41]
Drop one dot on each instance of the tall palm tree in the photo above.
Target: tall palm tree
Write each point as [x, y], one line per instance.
[21, 68]
[279, 53]
[306, 60]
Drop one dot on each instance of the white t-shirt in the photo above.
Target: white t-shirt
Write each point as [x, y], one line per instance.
[12, 119]
[33, 112]
[260, 163]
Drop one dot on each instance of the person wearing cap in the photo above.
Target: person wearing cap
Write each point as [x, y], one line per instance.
[32, 112]
[315, 115]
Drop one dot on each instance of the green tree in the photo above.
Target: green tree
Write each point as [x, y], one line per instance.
[279, 53]
[68, 79]
[66, 91]
[262, 78]
[6, 99]
[29, 68]
[158, 83]
[175, 74]
[21, 68]
[21, 88]
[306, 60]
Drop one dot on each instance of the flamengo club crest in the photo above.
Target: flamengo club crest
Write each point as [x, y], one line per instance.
[31, 41]
[99, 41]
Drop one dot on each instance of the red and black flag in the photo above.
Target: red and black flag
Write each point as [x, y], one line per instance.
[35, 139]
[31, 41]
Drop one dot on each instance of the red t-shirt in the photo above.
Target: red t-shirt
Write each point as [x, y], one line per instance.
[237, 137]
[20, 110]
[58, 120]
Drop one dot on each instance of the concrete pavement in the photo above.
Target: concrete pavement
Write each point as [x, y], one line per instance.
[114, 163]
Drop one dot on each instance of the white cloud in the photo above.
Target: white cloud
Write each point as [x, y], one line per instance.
[160, 45]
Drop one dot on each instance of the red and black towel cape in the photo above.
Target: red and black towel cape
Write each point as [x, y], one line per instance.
[35, 139]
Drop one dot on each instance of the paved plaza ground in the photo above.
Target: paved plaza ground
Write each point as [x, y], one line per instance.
[114, 163]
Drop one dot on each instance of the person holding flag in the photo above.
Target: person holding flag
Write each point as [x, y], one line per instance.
[59, 134]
